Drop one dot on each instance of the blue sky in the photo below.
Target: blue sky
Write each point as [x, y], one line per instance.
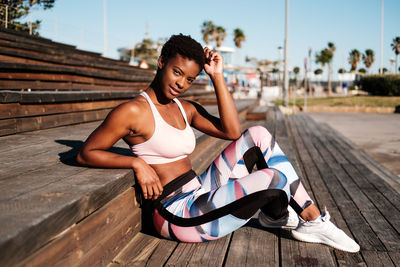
[312, 23]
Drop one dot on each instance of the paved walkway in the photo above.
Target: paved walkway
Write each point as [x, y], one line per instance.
[377, 134]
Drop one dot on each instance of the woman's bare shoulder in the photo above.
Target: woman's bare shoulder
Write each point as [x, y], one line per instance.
[192, 106]
[188, 106]
[131, 108]
[129, 112]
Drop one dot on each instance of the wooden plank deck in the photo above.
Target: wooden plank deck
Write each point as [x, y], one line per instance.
[360, 203]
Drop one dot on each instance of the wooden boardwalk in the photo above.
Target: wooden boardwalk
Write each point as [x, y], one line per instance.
[337, 175]
[53, 212]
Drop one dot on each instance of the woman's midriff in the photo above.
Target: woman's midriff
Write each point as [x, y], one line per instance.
[169, 171]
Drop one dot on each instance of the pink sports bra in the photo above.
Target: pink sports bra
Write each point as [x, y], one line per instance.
[167, 144]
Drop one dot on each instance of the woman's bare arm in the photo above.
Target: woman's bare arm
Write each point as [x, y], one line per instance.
[116, 126]
[228, 125]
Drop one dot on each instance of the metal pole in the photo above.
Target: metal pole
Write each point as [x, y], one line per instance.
[6, 26]
[305, 84]
[310, 70]
[105, 28]
[261, 86]
[381, 48]
[286, 70]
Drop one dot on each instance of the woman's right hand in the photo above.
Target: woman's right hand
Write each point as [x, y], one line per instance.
[148, 179]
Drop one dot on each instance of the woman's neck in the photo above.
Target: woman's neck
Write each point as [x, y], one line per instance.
[156, 95]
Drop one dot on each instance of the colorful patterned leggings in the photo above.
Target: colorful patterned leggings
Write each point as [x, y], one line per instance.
[227, 194]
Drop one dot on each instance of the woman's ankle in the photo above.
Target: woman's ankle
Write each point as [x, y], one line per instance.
[310, 213]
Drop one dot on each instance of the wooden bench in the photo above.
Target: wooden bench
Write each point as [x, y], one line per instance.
[28, 111]
[35, 63]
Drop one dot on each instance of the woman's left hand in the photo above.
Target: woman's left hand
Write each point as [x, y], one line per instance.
[214, 62]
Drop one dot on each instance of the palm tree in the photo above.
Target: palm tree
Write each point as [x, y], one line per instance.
[324, 58]
[368, 58]
[220, 35]
[238, 37]
[208, 29]
[354, 58]
[318, 72]
[396, 48]
[384, 70]
[362, 70]
[332, 49]
[296, 71]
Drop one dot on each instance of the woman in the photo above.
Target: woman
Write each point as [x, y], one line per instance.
[195, 208]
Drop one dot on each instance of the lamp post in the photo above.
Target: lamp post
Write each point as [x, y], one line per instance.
[381, 45]
[105, 41]
[286, 69]
[280, 61]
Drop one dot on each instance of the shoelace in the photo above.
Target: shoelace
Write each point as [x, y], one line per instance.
[325, 217]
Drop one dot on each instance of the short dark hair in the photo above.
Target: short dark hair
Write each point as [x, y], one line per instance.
[185, 46]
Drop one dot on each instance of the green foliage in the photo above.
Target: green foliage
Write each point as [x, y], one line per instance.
[362, 70]
[348, 101]
[384, 70]
[296, 70]
[147, 50]
[208, 30]
[331, 47]
[384, 85]
[238, 37]
[220, 35]
[212, 32]
[396, 45]
[396, 48]
[341, 71]
[354, 59]
[368, 58]
[324, 57]
[318, 71]
[19, 9]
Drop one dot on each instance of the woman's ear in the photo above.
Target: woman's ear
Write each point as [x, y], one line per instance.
[160, 62]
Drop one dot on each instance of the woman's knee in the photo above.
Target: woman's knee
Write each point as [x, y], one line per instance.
[259, 133]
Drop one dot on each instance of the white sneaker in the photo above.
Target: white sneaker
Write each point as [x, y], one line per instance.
[321, 230]
[289, 221]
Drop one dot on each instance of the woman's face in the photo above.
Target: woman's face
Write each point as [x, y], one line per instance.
[177, 75]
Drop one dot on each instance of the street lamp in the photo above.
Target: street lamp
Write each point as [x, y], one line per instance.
[381, 44]
[280, 61]
[105, 38]
[286, 69]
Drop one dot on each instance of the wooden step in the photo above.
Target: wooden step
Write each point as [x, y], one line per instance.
[257, 113]
[48, 199]
[29, 111]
